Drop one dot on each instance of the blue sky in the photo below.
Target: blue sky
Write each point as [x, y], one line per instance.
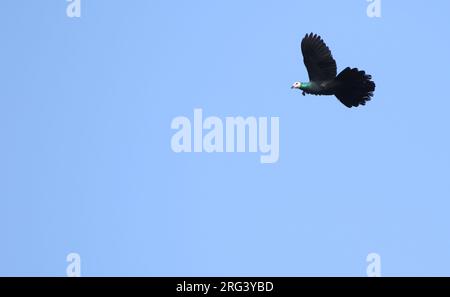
[86, 164]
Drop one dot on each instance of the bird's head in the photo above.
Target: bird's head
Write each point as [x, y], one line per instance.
[296, 85]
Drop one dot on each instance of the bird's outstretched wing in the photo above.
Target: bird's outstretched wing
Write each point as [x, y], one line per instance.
[318, 58]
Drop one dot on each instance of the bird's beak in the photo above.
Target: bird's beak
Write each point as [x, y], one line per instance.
[292, 87]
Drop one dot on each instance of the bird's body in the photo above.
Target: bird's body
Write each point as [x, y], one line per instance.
[319, 87]
[352, 87]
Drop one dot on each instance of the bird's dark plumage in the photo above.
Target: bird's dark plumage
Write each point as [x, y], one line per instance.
[318, 59]
[352, 87]
[357, 87]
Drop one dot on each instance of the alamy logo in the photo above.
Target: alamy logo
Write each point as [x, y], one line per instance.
[73, 8]
[374, 267]
[374, 9]
[74, 267]
[213, 135]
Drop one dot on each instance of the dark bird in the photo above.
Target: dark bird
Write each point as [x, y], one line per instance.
[352, 87]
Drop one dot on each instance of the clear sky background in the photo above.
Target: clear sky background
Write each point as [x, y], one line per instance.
[86, 164]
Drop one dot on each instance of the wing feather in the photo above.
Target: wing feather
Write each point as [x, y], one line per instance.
[318, 59]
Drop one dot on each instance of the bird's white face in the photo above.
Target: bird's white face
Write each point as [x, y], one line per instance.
[296, 85]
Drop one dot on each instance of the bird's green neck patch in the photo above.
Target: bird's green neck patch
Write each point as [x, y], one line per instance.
[305, 85]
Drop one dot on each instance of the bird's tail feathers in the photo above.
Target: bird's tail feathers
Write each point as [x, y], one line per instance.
[356, 87]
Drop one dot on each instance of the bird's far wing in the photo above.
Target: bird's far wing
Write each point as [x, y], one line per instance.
[318, 58]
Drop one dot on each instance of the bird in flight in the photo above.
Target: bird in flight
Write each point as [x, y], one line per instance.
[352, 87]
